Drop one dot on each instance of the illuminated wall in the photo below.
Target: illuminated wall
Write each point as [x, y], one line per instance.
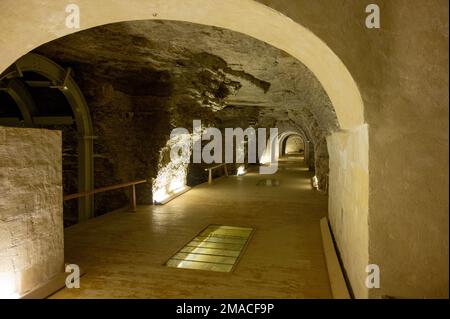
[349, 202]
[31, 221]
[172, 172]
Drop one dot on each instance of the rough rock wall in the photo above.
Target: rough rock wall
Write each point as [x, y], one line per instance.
[31, 222]
[134, 109]
[185, 71]
[129, 132]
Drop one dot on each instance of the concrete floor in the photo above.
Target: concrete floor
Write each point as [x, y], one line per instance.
[124, 253]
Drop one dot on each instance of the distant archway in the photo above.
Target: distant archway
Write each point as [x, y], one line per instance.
[292, 144]
[275, 146]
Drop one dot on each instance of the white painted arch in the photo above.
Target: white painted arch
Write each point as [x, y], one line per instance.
[27, 24]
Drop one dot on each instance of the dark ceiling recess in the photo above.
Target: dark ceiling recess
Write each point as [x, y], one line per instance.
[50, 102]
[8, 107]
[33, 76]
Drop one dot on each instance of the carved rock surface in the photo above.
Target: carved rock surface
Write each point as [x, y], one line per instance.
[141, 79]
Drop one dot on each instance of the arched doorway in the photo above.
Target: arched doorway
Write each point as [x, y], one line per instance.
[293, 144]
[55, 78]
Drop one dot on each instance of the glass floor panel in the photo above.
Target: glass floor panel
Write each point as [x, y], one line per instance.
[226, 240]
[210, 251]
[205, 258]
[199, 265]
[207, 244]
[216, 248]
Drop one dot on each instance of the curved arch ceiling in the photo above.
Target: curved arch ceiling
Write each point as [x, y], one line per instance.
[260, 22]
[168, 58]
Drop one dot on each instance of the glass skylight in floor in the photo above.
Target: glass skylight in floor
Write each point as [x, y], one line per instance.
[217, 248]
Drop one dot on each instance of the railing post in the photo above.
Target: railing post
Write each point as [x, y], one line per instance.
[133, 198]
[225, 169]
[210, 176]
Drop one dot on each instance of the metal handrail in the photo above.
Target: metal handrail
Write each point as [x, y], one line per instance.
[131, 185]
[210, 169]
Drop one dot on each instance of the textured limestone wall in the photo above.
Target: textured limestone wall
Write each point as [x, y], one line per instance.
[349, 202]
[31, 222]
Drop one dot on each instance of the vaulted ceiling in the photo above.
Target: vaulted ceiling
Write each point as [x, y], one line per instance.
[218, 68]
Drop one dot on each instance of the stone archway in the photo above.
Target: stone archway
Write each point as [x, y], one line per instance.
[275, 146]
[32, 30]
[63, 81]
[293, 144]
[284, 138]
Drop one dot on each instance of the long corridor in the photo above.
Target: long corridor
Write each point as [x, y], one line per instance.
[124, 253]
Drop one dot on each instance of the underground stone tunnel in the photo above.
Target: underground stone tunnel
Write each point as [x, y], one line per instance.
[86, 118]
[137, 94]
